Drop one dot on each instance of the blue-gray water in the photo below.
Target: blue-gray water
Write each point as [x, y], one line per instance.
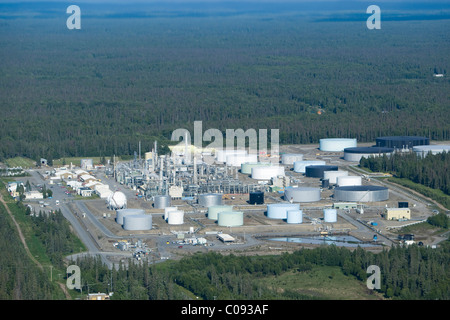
[346, 241]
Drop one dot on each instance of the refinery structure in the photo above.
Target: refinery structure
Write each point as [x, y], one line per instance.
[239, 199]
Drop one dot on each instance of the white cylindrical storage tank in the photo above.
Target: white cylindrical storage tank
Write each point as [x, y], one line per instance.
[176, 217]
[294, 216]
[213, 211]
[138, 222]
[209, 199]
[355, 154]
[121, 213]
[349, 181]
[236, 160]
[333, 175]
[290, 158]
[302, 194]
[117, 200]
[330, 215]
[300, 166]
[279, 210]
[246, 168]
[422, 151]
[267, 172]
[361, 193]
[336, 144]
[221, 155]
[161, 201]
[167, 210]
[230, 218]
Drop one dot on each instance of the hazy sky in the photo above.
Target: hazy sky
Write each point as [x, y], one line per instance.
[212, 1]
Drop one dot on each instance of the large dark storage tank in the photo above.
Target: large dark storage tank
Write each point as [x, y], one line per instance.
[256, 197]
[401, 142]
[318, 171]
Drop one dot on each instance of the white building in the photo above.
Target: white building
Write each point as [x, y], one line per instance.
[33, 195]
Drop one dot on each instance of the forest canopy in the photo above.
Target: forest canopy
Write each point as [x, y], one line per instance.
[122, 79]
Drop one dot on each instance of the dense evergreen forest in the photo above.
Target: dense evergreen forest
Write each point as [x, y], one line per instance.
[432, 171]
[411, 272]
[20, 277]
[119, 80]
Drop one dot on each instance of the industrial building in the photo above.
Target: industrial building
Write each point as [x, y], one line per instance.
[397, 213]
[33, 195]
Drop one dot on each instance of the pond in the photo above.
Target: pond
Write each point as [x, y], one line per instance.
[346, 241]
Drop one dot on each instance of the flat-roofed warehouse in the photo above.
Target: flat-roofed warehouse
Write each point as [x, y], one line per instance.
[397, 213]
[224, 237]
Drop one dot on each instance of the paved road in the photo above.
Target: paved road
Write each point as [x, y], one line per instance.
[83, 234]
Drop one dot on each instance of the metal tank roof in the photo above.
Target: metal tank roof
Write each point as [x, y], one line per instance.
[317, 171]
[161, 201]
[336, 144]
[213, 211]
[400, 142]
[230, 218]
[121, 213]
[279, 210]
[302, 194]
[361, 193]
[209, 199]
[138, 222]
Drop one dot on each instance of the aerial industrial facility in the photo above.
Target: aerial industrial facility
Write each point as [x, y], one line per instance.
[305, 190]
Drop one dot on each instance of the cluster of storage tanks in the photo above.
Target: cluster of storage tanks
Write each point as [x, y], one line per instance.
[234, 157]
[347, 188]
[267, 172]
[226, 216]
[423, 151]
[292, 213]
[173, 215]
[383, 145]
[134, 219]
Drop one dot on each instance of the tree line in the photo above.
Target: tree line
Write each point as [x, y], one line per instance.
[20, 278]
[431, 170]
[407, 273]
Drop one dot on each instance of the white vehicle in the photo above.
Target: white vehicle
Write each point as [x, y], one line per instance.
[57, 202]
